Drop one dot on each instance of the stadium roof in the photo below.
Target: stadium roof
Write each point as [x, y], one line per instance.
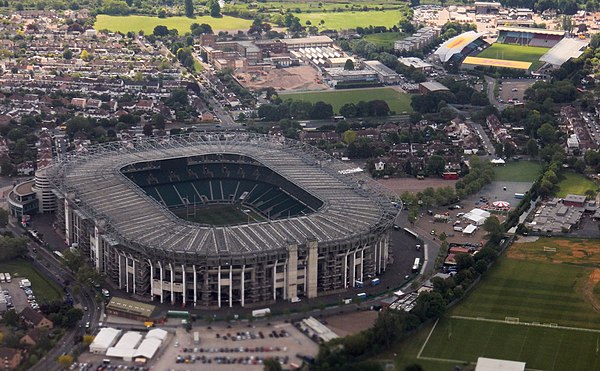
[488, 62]
[539, 31]
[354, 206]
[456, 45]
[563, 51]
[131, 307]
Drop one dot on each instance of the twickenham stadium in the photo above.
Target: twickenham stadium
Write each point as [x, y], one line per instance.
[222, 219]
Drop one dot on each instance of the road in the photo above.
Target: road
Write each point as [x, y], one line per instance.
[491, 85]
[431, 247]
[487, 143]
[54, 270]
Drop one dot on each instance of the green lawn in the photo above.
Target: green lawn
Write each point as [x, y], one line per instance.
[547, 292]
[347, 20]
[518, 171]
[398, 102]
[136, 23]
[573, 183]
[515, 53]
[385, 39]
[533, 291]
[43, 289]
[311, 5]
[540, 347]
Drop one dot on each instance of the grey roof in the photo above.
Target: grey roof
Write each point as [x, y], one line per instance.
[354, 205]
[564, 50]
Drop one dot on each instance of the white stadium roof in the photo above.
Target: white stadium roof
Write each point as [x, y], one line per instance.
[456, 45]
[564, 50]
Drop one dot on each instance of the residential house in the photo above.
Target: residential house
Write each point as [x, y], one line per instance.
[35, 318]
[12, 357]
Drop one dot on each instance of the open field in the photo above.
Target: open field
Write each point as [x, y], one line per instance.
[385, 39]
[534, 292]
[518, 171]
[313, 5]
[398, 102]
[136, 23]
[573, 183]
[44, 290]
[543, 291]
[347, 20]
[542, 348]
[515, 53]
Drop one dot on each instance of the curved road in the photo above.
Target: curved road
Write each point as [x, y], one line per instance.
[54, 270]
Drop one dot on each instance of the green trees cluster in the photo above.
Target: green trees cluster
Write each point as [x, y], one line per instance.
[214, 9]
[11, 247]
[295, 109]
[480, 174]
[376, 107]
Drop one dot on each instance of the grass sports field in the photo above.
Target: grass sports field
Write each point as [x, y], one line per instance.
[43, 289]
[518, 171]
[398, 102]
[536, 305]
[346, 20]
[385, 39]
[573, 183]
[515, 53]
[136, 23]
[218, 215]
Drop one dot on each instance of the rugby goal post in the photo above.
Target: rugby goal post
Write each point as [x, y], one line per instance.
[511, 319]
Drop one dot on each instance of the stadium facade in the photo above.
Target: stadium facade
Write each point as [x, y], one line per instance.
[324, 227]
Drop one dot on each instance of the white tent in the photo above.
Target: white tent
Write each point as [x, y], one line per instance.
[157, 333]
[104, 340]
[469, 229]
[477, 216]
[148, 348]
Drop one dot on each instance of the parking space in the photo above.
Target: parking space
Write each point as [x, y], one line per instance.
[19, 297]
[240, 346]
[513, 91]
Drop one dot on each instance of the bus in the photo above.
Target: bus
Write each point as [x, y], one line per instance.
[59, 254]
[260, 312]
[416, 265]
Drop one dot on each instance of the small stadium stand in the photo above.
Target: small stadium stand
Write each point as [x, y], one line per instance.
[529, 36]
[459, 46]
[563, 51]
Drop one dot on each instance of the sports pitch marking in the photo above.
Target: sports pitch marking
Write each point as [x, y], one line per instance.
[515, 321]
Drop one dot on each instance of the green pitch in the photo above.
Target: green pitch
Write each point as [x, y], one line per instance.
[347, 20]
[385, 39]
[515, 53]
[398, 102]
[542, 348]
[518, 171]
[219, 215]
[135, 23]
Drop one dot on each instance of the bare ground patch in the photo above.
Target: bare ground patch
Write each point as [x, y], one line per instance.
[351, 323]
[282, 79]
[588, 289]
[572, 251]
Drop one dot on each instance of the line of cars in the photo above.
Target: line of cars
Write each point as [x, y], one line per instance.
[29, 293]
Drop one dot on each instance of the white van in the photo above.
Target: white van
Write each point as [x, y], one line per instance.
[458, 229]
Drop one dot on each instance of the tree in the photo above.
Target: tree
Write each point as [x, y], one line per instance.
[349, 136]
[494, 229]
[160, 31]
[158, 120]
[147, 130]
[547, 133]
[65, 360]
[71, 317]
[11, 318]
[271, 364]
[321, 111]
[88, 339]
[349, 65]
[189, 8]
[67, 54]
[348, 110]
[436, 165]
[85, 55]
[214, 8]
[532, 148]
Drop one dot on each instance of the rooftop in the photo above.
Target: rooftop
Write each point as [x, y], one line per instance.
[130, 307]
[354, 205]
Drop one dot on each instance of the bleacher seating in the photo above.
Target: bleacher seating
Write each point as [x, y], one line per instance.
[224, 180]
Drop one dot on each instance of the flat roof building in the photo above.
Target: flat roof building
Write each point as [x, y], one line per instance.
[129, 309]
[416, 63]
[385, 74]
[308, 42]
[431, 86]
